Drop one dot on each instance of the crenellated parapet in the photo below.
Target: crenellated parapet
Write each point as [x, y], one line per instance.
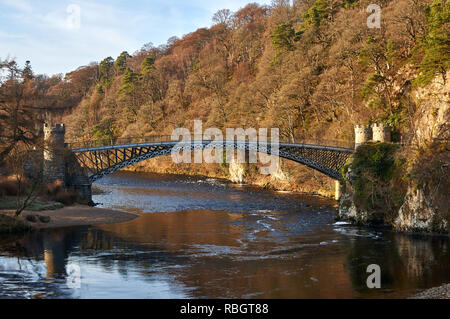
[378, 132]
[56, 132]
[381, 132]
[363, 134]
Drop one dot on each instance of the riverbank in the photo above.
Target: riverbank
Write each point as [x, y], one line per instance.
[441, 292]
[77, 215]
[291, 176]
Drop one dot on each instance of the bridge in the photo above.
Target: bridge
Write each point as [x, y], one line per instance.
[92, 160]
[100, 161]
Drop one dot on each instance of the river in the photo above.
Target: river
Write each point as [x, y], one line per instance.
[207, 238]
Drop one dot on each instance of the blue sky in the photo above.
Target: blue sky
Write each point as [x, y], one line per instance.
[50, 35]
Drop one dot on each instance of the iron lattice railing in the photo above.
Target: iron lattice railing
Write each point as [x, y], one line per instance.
[90, 143]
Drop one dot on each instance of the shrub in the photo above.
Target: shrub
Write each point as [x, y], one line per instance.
[9, 187]
[65, 197]
[10, 225]
[56, 192]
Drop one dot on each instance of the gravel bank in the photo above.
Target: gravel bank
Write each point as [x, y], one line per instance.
[442, 292]
[77, 216]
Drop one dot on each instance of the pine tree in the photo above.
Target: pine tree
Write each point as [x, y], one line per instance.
[435, 47]
[105, 68]
[121, 62]
[147, 65]
[27, 72]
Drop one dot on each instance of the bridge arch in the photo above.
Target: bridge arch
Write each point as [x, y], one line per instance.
[105, 160]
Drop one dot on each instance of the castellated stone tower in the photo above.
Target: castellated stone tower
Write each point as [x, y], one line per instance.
[363, 134]
[381, 132]
[54, 165]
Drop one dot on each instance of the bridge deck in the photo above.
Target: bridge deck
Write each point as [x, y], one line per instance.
[213, 143]
[101, 160]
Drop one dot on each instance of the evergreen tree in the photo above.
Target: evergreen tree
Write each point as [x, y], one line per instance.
[316, 14]
[105, 68]
[147, 65]
[128, 81]
[121, 61]
[435, 47]
[27, 71]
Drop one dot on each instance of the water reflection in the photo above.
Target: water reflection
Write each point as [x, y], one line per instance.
[279, 250]
[209, 254]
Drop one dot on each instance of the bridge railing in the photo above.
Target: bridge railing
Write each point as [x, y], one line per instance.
[91, 143]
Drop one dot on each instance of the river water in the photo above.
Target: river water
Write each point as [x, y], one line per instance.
[206, 238]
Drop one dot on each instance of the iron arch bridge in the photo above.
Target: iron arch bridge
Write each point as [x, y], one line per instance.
[100, 161]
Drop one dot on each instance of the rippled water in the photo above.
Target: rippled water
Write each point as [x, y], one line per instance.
[205, 238]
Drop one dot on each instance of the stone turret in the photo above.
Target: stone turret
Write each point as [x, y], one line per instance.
[54, 165]
[381, 132]
[363, 134]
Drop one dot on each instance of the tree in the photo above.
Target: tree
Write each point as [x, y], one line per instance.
[147, 65]
[128, 94]
[435, 46]
[121, 62]
[27, 72]
[317, 13]
[283, 37]
[26, 166]
[223, 16]
[19, 108]
[105, 68]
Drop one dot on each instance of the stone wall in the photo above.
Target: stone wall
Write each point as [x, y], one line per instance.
[54, 168]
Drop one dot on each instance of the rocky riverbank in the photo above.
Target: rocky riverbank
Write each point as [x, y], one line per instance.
[382, 188]
[441, 292]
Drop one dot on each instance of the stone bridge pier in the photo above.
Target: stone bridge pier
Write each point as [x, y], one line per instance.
[61, 165]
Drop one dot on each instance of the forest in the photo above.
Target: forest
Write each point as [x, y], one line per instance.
[312, 68]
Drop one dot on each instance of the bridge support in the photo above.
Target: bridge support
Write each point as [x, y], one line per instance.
[54, 168]
[337, 190]
[59, 166]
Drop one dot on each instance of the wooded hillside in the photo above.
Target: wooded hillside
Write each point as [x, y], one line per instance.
[312, 68]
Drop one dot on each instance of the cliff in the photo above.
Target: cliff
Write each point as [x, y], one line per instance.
[405, 187]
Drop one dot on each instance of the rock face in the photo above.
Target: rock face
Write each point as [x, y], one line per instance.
[349, 210]
[419, 214]
[432, 116]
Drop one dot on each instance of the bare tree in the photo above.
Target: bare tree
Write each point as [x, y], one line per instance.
[25, 165]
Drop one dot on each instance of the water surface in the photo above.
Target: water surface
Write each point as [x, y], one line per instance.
[206, 238]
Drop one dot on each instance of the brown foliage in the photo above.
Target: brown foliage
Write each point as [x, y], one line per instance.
[57, 192]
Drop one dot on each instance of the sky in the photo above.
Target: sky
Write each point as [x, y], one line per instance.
[58, 36]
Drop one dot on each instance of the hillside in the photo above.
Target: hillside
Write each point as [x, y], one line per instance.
[312, 69]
